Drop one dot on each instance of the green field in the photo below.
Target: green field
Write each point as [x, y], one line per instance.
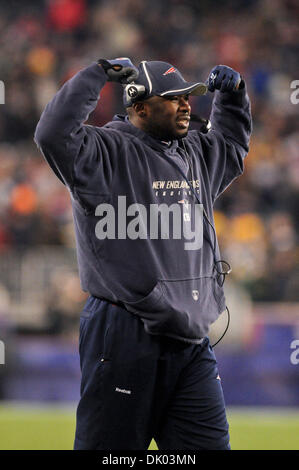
[52, 428]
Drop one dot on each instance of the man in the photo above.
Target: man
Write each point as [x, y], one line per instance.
[148, 370]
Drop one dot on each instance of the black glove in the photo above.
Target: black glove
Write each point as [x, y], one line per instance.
[225, 79]
[119, 70]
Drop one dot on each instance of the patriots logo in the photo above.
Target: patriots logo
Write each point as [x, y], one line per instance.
[171, 70]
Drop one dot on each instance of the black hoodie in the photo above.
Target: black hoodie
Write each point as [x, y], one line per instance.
[175, 290]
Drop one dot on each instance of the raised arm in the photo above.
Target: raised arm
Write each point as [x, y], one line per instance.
[227, 143]
[61, 133]
[61, 130]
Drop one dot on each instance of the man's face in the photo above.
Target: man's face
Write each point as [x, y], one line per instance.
[167, 118]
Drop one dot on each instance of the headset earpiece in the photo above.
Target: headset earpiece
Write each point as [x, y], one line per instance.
[133, 92]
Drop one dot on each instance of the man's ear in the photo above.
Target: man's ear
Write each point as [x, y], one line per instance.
[140, 108]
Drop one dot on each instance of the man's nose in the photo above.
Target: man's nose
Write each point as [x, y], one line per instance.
[184, 104]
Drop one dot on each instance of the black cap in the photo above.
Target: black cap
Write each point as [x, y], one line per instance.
[160, 79]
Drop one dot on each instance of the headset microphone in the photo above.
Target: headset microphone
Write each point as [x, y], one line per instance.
[205, 123]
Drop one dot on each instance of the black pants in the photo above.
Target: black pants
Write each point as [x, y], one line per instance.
[136, 387]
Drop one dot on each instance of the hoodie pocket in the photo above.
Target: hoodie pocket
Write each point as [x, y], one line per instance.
[182, 309]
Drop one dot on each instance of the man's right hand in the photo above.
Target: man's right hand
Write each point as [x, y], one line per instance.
[119, 70]
[225, 79]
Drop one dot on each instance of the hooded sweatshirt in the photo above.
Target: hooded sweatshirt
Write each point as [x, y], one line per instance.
[141, 239]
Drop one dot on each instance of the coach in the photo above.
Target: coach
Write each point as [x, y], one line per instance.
[148, 369]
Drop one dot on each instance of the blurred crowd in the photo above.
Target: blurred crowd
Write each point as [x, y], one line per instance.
[43, 43]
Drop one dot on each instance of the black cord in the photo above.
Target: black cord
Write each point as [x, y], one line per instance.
[212, 244]
[220, 272]
[224, 333]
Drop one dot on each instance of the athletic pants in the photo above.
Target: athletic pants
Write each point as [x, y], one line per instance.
[136, 386]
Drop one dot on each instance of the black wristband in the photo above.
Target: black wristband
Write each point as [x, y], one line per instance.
[105, 64]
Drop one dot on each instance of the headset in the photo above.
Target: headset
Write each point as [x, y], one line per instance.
[134, 92]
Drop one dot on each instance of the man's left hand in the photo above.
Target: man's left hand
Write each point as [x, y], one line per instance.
[223, 78]
[119, 70]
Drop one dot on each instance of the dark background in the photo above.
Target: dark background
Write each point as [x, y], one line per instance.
[42, 44]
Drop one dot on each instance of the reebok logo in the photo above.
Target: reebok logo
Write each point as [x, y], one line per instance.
[171, 70]
[122, 390]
